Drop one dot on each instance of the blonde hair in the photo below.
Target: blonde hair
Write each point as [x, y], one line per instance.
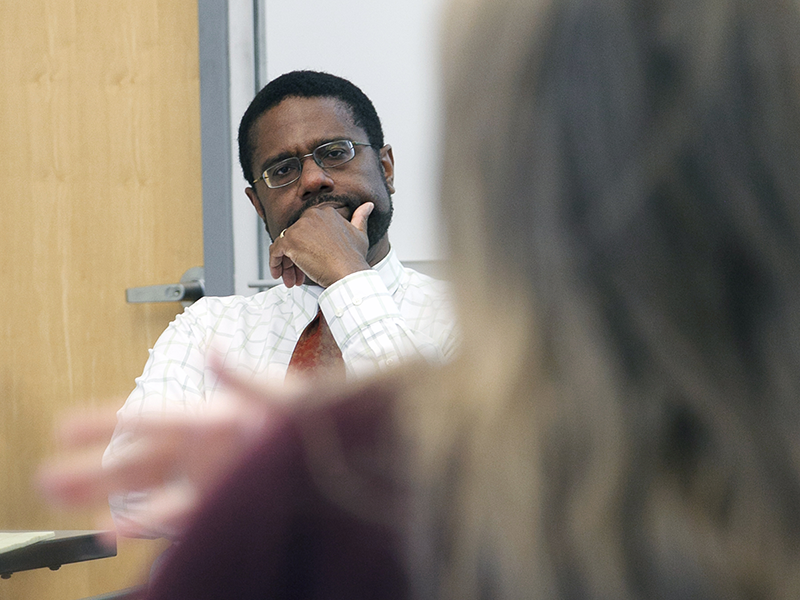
[620, 184]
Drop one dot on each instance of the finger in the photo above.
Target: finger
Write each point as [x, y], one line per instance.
[276, 256]
[250, 390]
[143, 469]
[173, 429]
[276, 268]
[149, 462]
[72, 481]
[87, 428]
[259, 392]
[299, 276]
[134, 527]
[229, 421]
[170, 508]
[276, 271]
[288, 272]
[361, 216]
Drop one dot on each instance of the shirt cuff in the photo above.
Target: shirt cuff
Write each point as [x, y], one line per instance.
[356, 302]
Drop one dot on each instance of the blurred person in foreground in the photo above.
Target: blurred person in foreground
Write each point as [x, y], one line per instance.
[621, 183]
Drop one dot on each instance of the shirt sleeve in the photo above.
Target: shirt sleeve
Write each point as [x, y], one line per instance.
[173, 380]
[377, 330]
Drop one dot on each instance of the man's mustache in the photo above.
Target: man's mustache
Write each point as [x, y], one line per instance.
[346, 201]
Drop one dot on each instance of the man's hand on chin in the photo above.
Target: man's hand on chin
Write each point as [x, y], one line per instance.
[323, 246]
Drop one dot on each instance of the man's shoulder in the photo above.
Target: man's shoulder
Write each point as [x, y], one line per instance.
[424, 284]
[216, 306]
[424, 278]
[399, 277]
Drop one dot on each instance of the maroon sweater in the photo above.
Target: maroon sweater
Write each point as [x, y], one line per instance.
[313, 512]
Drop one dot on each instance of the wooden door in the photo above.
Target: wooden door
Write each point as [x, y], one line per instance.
[100, 190]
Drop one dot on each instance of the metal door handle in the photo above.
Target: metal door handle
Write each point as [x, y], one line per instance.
[190, 288]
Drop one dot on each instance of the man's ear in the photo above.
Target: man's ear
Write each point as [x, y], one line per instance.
[387, 164]
[251, 193]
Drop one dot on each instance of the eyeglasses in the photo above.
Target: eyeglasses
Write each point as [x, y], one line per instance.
[327, 156]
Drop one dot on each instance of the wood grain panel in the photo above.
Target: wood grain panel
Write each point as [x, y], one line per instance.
[100, 184]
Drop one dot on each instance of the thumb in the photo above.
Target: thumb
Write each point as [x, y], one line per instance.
[361, 216]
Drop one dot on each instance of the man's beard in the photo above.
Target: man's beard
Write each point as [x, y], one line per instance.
[377, 223]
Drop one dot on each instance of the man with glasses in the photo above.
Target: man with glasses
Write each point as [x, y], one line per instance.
[321, 178]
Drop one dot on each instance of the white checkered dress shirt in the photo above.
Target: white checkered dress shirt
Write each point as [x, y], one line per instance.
[377, 317]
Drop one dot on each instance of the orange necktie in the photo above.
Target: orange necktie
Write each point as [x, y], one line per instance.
[316, 353]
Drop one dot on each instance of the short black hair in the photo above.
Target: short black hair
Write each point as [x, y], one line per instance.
[307, 84]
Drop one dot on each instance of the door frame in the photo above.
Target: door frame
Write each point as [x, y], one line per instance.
[228, 82]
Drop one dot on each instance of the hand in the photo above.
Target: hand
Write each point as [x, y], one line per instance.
[322, 245]
[181, 456]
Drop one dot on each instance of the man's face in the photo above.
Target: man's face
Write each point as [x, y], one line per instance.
[295, 127]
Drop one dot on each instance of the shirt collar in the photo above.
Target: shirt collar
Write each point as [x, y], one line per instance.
[390, 270]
